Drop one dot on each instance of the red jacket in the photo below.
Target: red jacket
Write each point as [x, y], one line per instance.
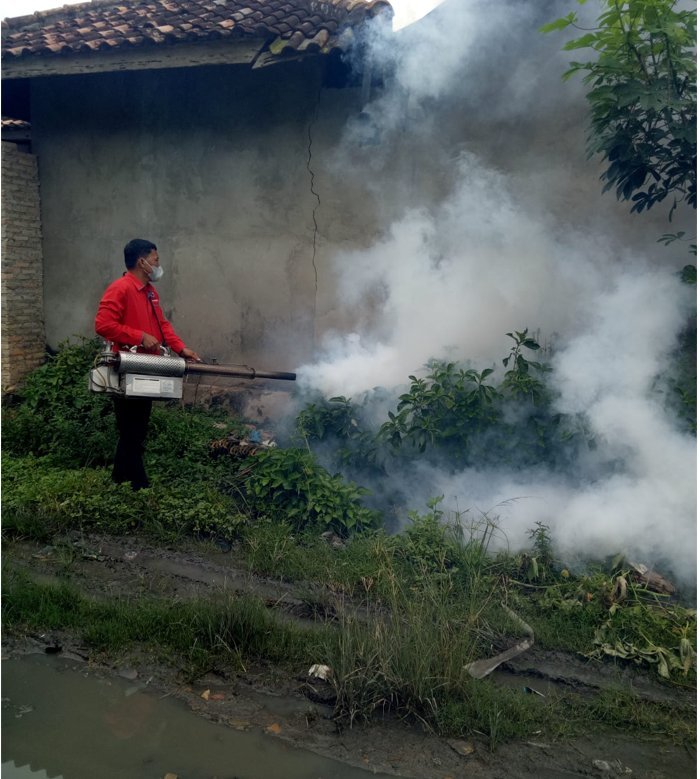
[129, 309]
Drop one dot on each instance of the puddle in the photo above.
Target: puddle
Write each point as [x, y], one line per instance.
[61, 721]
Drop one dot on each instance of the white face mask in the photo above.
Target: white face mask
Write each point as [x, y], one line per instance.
[155, 273]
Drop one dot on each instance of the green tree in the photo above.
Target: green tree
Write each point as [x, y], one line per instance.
[642, 98]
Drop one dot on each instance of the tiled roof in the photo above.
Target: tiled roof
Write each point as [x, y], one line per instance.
[106, 25]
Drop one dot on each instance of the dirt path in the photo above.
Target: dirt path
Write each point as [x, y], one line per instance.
[291, 708]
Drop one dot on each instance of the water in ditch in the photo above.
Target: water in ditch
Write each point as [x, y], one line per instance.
[61, 722]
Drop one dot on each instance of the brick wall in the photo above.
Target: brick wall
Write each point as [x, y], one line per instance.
[23, 338]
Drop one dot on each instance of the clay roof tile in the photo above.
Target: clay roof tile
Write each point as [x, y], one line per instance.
[315, 24]
[295, 40]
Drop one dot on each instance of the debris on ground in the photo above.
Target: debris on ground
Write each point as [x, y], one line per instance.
[239, 447]
[614, 767]
[481, 668]
[317, 685]
[620, 591]
[318, 671]
[464, 748]
[651, 580]
[333, 539]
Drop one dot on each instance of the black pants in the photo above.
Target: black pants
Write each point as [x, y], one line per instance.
[132, 423]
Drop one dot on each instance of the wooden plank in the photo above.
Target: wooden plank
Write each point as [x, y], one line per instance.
[182, 55]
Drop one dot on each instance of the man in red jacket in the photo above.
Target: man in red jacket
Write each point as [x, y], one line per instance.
[130, 315]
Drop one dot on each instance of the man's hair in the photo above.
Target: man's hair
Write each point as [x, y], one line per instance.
[136, 249]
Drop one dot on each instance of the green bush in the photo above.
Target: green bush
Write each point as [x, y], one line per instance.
[58, 415]
[291, 485]
[340, 420]
[197, 508]
[455, 417]
[59, 434]
[39, 500]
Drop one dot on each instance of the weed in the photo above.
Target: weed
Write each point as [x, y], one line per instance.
[537, 565]
[291, 483]
[270, 548]
[58, 415]
[339, 422]
[201, 631]
[494, 722]
[39, 501]
[520, 379]
[406, 650]
[591, 615]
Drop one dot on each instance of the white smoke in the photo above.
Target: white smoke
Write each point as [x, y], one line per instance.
[644, 505]
[451, 284]
[503, 250]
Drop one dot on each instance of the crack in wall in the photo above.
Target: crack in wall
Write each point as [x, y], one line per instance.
[312, 178]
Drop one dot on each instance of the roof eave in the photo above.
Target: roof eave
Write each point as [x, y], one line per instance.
[243, 51]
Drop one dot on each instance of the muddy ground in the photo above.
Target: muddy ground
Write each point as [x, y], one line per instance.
[298, 709]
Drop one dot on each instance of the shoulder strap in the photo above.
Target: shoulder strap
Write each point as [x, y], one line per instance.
[150, 296]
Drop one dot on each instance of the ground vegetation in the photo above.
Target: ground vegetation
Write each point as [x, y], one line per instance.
[399, 618]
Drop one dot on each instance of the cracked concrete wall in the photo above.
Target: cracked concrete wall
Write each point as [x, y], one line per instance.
[212, 164]
[250, 187]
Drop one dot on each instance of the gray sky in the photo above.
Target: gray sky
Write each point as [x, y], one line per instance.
[405, 11]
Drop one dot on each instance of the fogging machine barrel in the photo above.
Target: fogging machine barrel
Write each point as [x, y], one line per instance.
[242, 371]
[160, 376]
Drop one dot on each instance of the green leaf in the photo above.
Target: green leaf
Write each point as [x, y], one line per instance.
[559, 24]
[581, 43]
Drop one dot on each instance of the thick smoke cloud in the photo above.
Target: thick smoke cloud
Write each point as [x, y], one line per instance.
[516, 234]
[451, 284]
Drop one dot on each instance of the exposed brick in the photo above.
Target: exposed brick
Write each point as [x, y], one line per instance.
[23, 337]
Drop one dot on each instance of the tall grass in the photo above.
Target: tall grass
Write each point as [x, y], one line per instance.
[406, 650]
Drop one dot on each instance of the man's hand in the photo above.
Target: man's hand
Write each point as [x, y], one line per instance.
[189, 354]
[149, 342]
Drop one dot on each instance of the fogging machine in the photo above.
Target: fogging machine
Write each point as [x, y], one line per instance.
[132, 374]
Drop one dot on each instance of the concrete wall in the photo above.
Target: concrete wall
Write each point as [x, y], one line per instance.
[250, 186]
[213, 165]
[22, 272]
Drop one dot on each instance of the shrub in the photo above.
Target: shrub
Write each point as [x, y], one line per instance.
[58, 415]
[338, 423]
[39, 500]
[178, 442]
[291, 484]
[453, 415]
